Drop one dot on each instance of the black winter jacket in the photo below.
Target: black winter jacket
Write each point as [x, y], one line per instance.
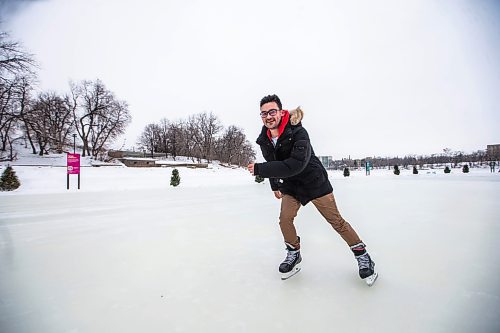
[292, 167]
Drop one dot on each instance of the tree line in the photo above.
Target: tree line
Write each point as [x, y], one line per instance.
[199, 137]
[47, 120]
[446, 157]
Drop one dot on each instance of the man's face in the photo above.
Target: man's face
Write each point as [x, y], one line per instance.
[272, 115]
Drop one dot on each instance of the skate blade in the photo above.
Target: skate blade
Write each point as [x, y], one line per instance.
[288, 275]
[371, 279]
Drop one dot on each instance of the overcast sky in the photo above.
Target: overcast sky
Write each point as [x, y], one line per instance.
[377, 78]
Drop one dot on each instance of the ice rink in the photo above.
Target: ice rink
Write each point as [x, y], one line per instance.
[129, 253]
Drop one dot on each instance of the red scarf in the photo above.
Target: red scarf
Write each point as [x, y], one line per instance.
[281, 126]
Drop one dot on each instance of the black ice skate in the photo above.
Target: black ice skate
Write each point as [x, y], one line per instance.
[290, 266]
[365, 263]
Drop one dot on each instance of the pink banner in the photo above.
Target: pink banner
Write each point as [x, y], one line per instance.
[73, 164]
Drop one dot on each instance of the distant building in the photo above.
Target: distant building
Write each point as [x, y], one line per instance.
[138, 162]
[493, 150]
[326, 161]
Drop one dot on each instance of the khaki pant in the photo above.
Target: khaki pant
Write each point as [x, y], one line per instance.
[327, 207]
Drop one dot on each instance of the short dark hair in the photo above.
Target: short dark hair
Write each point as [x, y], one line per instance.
[269, 99]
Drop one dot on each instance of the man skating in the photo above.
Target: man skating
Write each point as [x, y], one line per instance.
[297, 177]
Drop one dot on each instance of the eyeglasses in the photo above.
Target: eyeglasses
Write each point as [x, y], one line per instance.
[271, 112]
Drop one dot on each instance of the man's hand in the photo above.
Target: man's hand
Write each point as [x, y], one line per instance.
[278, 194]
[250, 168]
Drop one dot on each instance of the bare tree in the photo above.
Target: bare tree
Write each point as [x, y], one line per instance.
[24, 89]
[15, 99]
[163, 128]
[204, 130]
[99, 116]
[111, 123]
[236, 149]
[13, 59]
[192, 138]
[51, 120]
[229, 145]
[7, 114]
[150, 138]
[15, 64]
[40, 123]
[175, 138]
[246, 154]
[196, 138]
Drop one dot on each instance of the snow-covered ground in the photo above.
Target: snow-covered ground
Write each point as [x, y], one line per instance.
[129, 253]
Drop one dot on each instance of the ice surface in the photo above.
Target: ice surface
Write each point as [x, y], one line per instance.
[129, 253]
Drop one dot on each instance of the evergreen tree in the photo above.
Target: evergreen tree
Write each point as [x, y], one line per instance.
[175, 179]
[9, 180]
[259, 179]
[396, 170]
[346, 172]
[415, 171]
[447, 169]
[465, 169]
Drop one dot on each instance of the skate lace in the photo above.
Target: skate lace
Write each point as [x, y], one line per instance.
[363, 261]
[290, 257]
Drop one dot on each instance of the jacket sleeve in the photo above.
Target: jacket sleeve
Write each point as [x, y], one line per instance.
[291, 166]
[274, 184]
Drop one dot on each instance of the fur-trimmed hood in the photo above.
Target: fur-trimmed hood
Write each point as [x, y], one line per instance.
[296, 115]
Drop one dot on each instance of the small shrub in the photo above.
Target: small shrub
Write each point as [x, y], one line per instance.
[347, 173]
[465, 169]
[259, 179]
[447, 169]
[9, 180]
[175, 180]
